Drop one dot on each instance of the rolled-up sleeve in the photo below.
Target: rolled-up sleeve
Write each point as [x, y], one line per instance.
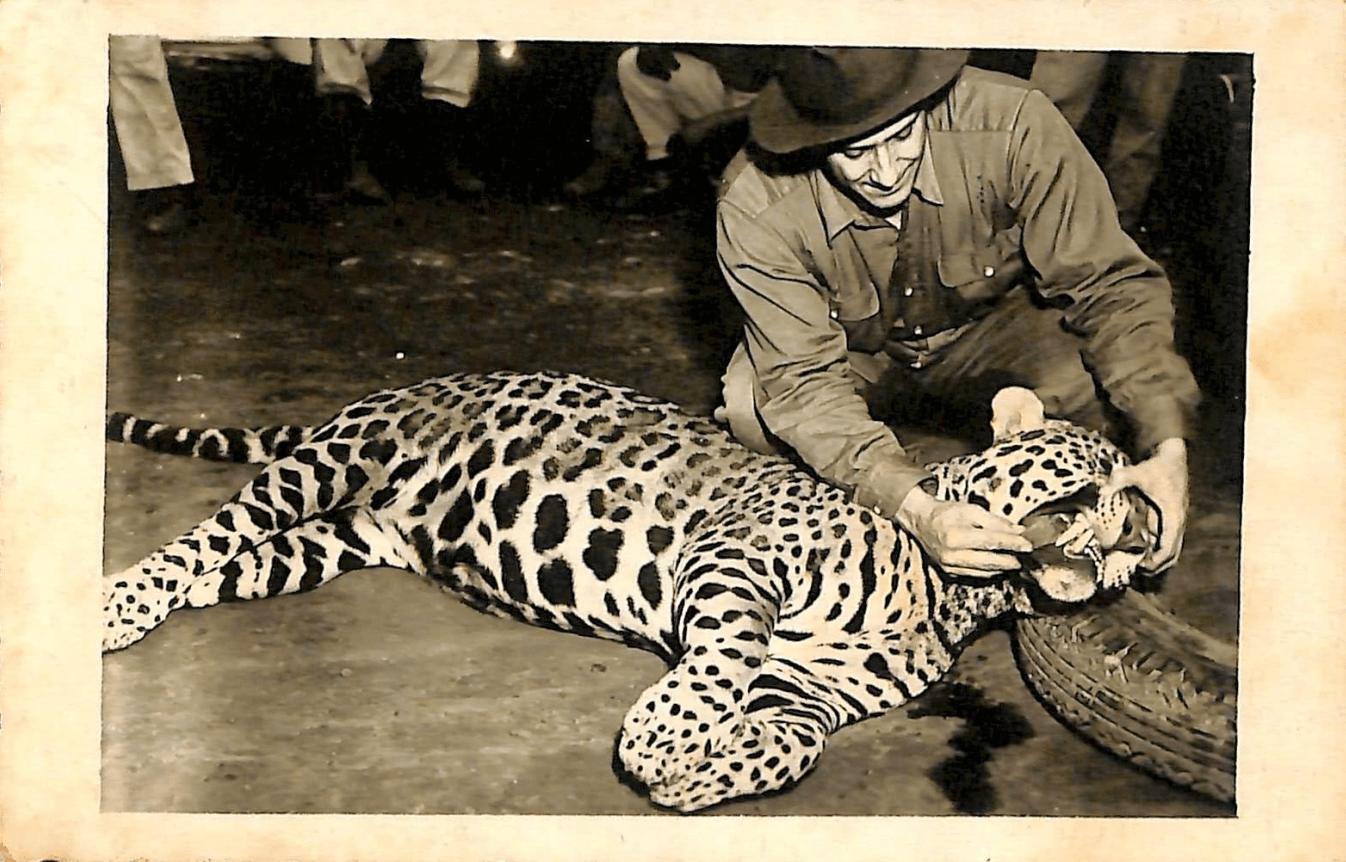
[798, 353]
[1120, 301]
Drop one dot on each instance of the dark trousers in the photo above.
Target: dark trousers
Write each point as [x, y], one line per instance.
[947, 382]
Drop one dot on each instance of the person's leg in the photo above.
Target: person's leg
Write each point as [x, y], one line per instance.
[1070, 79]
[451, 70]
[660, 107]
[448, 82]
[1149, 84]
[149, 131]
[739, 411]
[1018, 344]
[339, 66]
[341, 78]
[617, 145]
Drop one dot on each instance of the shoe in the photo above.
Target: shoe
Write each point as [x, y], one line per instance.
[168, 210]
[452, 132]
[602, 175]
[363, 187]
[663, 188]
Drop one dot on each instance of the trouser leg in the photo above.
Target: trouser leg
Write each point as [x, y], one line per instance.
[742, 394]
[341, 66]
[149, 131]
[1017, 344]
[659, 107]
[450, 71]
[1070, 79]
[1149, 84]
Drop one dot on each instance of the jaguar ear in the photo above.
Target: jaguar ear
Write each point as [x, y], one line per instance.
[1015, 409]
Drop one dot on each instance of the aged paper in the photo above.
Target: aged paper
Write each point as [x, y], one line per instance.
[52, 359]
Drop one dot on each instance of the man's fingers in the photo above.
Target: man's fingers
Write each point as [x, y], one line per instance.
[974, 538]
[982, 564]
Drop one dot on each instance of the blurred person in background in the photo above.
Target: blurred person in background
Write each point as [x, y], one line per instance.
[448, 79]
[1147, 86]
[680, 97]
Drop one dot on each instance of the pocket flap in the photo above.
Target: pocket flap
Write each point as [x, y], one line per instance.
[857, 304]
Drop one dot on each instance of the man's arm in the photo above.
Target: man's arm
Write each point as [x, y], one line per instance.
[1120, 304]
[799, 354]
[1120, 301]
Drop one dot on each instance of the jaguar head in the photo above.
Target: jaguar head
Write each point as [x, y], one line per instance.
[1045, 474]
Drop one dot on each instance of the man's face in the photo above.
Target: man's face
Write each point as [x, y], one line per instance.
[880, 170]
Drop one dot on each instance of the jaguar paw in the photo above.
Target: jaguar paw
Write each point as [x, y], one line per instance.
[135, 603]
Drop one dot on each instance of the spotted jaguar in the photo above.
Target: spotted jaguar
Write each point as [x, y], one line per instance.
[784, 610]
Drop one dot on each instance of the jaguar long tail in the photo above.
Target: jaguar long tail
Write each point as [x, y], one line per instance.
[233, 445]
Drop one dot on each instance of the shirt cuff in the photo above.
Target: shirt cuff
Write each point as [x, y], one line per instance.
[886, 485]
[1159, 419]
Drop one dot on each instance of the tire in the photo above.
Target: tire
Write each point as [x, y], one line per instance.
[1142, 685]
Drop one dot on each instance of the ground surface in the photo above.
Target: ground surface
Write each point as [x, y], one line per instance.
[379, 693]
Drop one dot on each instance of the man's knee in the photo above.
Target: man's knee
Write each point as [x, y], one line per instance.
[1077, 401]
[739, 410]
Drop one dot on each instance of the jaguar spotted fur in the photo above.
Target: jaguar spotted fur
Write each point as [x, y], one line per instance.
[784, 611]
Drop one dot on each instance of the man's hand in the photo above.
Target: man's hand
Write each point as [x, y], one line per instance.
[964, 539]
[657, 62]
[1163, 479]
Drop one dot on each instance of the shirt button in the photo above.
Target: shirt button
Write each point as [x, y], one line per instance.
[908, 292]
[916, 364]
[916, 330]
[988, 271]
[832, 314]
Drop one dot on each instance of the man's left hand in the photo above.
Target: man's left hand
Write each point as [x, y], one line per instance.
[1163, 479]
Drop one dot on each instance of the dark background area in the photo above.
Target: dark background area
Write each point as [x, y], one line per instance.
[253, 134]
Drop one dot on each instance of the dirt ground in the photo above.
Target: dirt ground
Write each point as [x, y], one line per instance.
[379, 693]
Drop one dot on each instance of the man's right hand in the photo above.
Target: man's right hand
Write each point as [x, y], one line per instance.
[964, 539]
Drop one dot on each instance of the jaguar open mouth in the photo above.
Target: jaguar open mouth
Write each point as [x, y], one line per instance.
[1080, 545]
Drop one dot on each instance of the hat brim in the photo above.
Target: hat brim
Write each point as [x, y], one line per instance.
[777, 127]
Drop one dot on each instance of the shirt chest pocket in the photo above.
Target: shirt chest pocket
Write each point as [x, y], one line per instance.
[983, 274]
[856, 308]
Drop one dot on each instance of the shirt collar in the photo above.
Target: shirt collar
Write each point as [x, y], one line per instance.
[840, 212]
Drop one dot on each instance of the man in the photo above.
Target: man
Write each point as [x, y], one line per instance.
[909, 221]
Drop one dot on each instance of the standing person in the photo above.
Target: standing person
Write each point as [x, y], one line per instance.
[448, 78]
[149, 132]
[911, 228]
[1148, 85]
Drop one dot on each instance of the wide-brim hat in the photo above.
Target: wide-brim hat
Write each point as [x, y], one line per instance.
[822, 96]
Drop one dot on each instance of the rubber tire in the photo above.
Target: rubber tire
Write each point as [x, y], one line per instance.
[1141, 684]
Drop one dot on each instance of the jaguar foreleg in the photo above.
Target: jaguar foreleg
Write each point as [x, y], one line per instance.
[723, 616]
[787, 717]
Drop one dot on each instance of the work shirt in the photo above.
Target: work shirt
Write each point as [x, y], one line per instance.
[1003, 178]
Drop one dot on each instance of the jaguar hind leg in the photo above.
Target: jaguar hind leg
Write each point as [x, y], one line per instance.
[299, 559]
[316, 478]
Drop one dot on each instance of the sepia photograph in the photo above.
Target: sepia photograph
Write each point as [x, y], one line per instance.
[505, 433]
[670, 345]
